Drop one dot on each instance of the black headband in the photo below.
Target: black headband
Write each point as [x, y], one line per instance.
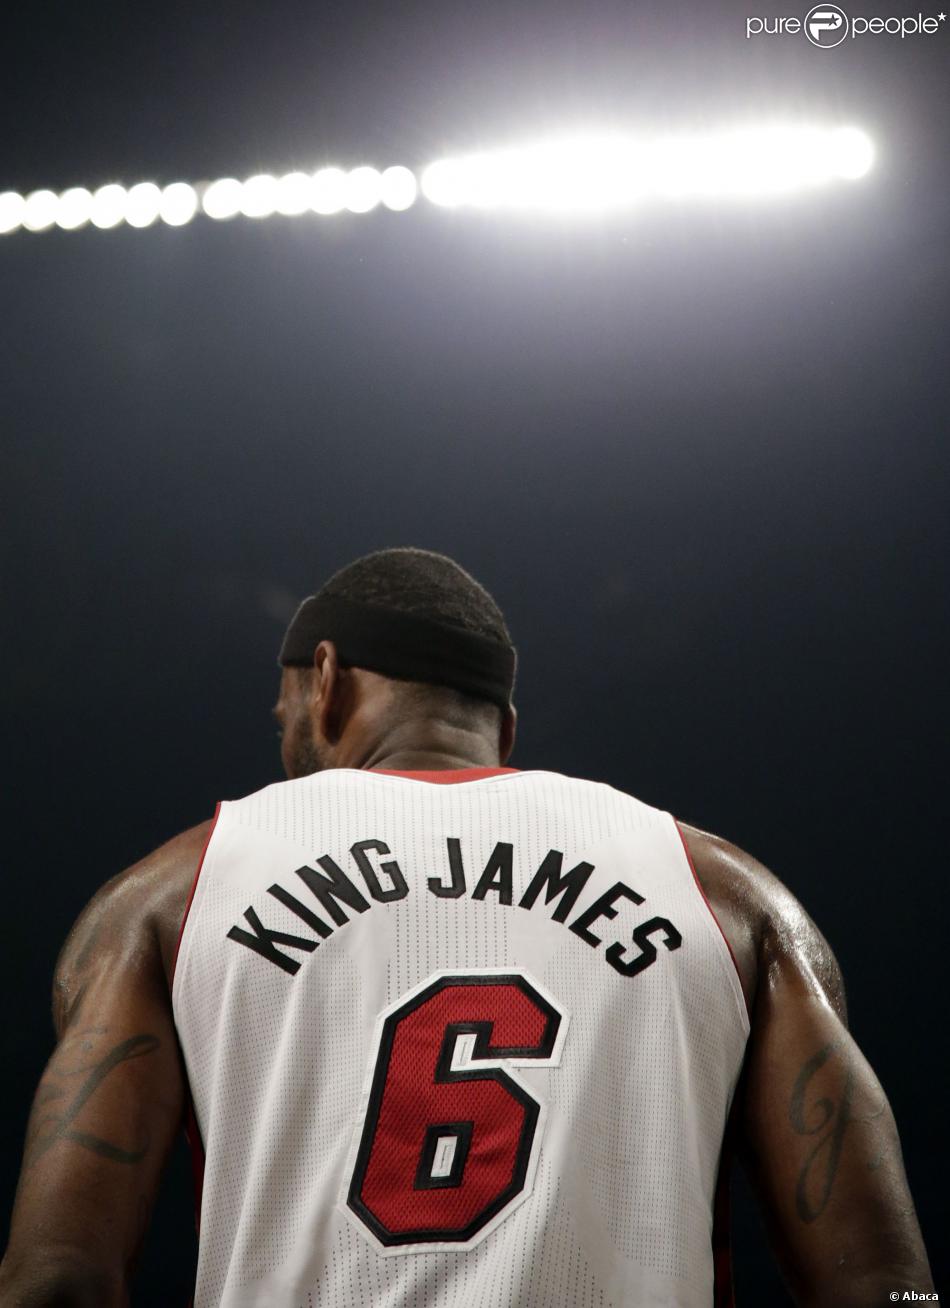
[401, 645]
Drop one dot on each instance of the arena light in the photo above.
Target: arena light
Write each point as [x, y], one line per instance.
[610, 172]
[108, 206]
[39, 210]
[143, 204]
[222, 199]
[327, 191]
[853, 153]
[398, 188]
[575, 174]
[329, 186]
[362, 190]
[179, 204]
[259, 196]
[293, 194]
[12, 211]
[74, 208]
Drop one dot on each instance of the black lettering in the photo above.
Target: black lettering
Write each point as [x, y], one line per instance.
[398, 890]
[641, 936]
[335, 885]
[456, 886]
[568, 886]
[497, 874]
[263, 941]
[602, 907]
[302, 911]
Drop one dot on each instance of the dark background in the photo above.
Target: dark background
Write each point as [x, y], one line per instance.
[699, 455]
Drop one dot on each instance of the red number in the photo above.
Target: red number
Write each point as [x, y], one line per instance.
[450, 1137]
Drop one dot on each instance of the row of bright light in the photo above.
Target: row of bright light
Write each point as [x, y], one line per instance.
[579, 174]
[617, 172]
[329, 191]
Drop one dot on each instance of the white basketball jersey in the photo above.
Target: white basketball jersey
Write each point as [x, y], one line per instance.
[455, 1040]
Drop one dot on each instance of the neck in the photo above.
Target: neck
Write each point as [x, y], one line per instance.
[423, 747]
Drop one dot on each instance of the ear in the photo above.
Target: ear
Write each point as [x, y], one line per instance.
[324, 702]
[506, 734]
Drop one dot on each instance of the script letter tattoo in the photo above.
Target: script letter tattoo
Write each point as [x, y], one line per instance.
[52, 1125]
[827, 1121]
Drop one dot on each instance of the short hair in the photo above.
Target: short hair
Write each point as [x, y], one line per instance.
[422, 582]
[427, 584]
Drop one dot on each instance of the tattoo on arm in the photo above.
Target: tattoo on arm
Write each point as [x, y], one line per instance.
[826, 1120]
[72, 1078]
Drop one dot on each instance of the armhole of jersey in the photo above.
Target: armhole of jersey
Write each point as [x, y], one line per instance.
[191, 896]
[723, 1285]
[197, 1150]
[744, 1003]
[192, 1133]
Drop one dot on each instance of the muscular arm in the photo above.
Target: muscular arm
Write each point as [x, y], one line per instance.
[111, 1098]
[818, 1137]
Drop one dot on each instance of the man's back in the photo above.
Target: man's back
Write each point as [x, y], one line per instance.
[463, 1043]
[468, 1043]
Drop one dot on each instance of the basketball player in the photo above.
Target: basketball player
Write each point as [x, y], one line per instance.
[446, 1033]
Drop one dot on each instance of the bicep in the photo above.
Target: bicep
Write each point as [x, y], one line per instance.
[820, 1141]
[108, 1106]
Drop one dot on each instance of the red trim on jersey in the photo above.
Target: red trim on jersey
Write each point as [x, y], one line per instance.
[446, 776]
[699, 887]
[192, 1134]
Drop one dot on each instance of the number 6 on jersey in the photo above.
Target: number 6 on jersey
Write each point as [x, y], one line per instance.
[449, 1138]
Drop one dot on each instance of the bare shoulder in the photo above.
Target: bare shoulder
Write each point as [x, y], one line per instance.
[132, 919]
[765, 925]
[814, 1128]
